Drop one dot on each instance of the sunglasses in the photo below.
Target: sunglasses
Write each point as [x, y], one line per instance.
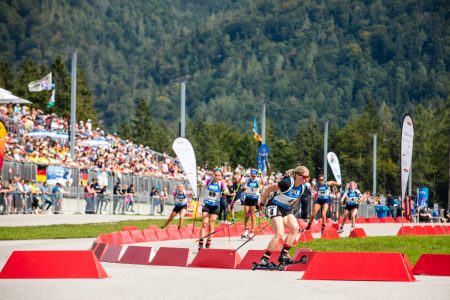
[305, 177]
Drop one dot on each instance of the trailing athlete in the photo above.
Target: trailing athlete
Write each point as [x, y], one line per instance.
[252, 189]
[215, 187]
[322, 201]
[180, 197]
[352, 197]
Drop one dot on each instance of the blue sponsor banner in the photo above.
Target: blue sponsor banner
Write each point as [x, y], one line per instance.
[422, 199]
[263, 157]
[59, 174]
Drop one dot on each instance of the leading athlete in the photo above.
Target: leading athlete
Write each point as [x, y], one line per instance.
[280, 211]
[352, 198]
[252, 190]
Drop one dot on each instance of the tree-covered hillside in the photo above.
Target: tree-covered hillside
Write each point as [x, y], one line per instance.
[303, 58]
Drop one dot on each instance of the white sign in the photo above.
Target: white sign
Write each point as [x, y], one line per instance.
[333, 161]
[183, 149]
[406, 151]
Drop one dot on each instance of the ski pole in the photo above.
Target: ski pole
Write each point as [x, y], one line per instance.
[223, 227]
[251, 238]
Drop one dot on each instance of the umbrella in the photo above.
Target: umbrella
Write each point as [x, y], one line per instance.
[8, 97]
[96, 143]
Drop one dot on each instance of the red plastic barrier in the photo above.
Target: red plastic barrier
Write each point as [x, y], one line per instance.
[419, 230]
[374, 220]
[439, 230]
[361, 220]
[330, 234]
[220, 233]
[358, 233]
[255, 256]
[101, 248]
[152, 227]
[186, 233]
[110, 239]
[268, 230]
[136, 255]
[117, 238]
[297, 256]
[369, 266]
[306, 236]
[433, 264]
[407, 230]
[129, 228]
[162, 234]
[430, 230]
[389, 220]
[53, 264]
[101, 239]
[233, 231]
[111, 254]
[149, 235]
[173, 233]
[177, 257]
[94, 246]
[126, 237]
[446, 228]
[216, 258]
[137, 236]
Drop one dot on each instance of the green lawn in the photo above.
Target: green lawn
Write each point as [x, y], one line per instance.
[412, 246]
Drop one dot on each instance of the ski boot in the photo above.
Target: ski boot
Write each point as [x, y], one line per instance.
[341, 229]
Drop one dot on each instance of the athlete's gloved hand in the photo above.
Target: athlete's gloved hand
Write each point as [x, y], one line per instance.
[259, 206]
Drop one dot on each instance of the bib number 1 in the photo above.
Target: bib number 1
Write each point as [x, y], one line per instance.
[272, 211]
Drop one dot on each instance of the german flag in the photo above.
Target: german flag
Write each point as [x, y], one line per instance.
[41, 173]
[84, 174]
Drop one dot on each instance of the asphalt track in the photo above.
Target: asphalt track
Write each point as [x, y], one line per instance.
[155, 282]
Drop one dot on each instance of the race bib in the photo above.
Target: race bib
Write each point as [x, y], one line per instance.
[272, 211]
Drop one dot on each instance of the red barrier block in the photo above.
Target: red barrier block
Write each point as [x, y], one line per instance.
[117, 238]
[286, 230]
[110, 239]
[53, 264]
[111, 254]
[330, 234]
[126, 237]
[173, 233]
[129, 228]
[446, 229]
[101, 239]
[149, 235]
[268, 230]
[255, 256]
[306, 236]
[358, 233]
[101, 248]
[433, 264]
[177, 257]
[240, 228]
[216, 258]
[234, 231]
[220, 233]
[368, 266]
[186, 233]
[152, 227]
[361, 221]
[297, 256]
[137, 236]
[407, 230]
[389, 220]
[162, 234]
[137, 255]
[430, 230]
[419, 230]
[439, 230]
[196, 232]
[374, 220]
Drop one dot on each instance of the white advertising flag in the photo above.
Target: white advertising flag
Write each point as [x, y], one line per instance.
[183, 149]
[333, 161]
[44, 84]
[406, 151]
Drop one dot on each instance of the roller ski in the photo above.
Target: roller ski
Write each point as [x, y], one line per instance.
[264, 264]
